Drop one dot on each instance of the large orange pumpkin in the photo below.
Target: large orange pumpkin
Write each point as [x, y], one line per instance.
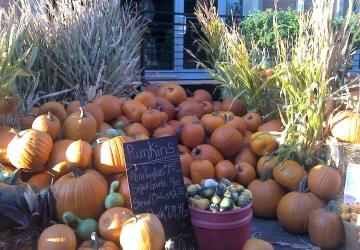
[57, 237]
[55, 108]
[227, 139]
[6, 136]
[80, 125]
[245, 173]
[225, 169]
[109, 105]
[109, 155]
[325, 229]
[262, 143]
[96, 243]
[345, 126]
[143, 231]
[111, 221]
[267, 194]
[41, 181]
[81, 192]
[325, 182]
[47, 123]
[166, 106]
[192, 134]
[235, 106]
[57, 160]
[264, 163]
[294, 210]
[30, 150]
[289, 174]
[79, 154]
[212, 121]
[207, 152]
[201, 170]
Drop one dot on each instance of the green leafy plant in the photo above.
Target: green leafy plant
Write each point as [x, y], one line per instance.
[228, 60]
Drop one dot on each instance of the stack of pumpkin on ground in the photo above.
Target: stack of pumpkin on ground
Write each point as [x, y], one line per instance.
[81, 147]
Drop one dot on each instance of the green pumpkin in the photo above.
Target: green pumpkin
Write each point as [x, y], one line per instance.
[226, 204]
[114, 199]
[83, 227]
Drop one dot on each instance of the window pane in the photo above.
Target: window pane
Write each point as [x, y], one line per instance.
[282, 4]
[234, 7]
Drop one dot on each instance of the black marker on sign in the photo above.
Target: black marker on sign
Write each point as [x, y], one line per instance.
[156, 186]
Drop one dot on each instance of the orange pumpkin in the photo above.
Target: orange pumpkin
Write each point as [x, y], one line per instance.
[47, 123]
[262, 143]
[225, 169]
[200, 170]
[236, 106]
[6, 136]
[193, 134]
[345, 126]
[111, 221]
[96, 111]
[227, 139]
[137, 128]
[326, 229]
[217, 106]
[212, 121]
[247, 136]
[143, 231]
[72, 107]
[81, 192]
[55, 108]
[267, 194]
[289, 174]
[208, 107]
[152, 87]
[80, 125]
[109, 105]
[124, 190]
[147, 98]
[164, 130]
[186, 159]
[29, 150]
[97, 244]
[133, 110]
[152, 118]
[252, 120]
[26, 121]
[187, 181]
[109, 155]
[202, 95]
[272, 125]
[57, 237]
[237, 122]
[173, 92]
[207, 152]
[294, 210]
[79, 154]
[56, 164]
[190, 107]
[257, 244]
[166, 106]
[41, 181]
[264, 163]
[325, 182]
[245, 173]
[246, 155]
[188, 119]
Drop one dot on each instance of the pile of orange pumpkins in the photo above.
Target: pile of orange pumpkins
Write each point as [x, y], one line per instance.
[217, 139]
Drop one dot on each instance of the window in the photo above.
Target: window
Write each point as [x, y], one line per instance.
[234, 8]
[282, 4]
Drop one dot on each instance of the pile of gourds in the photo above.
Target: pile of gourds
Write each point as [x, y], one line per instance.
[80, 148]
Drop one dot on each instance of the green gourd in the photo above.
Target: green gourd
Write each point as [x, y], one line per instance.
[243, 201]
[202, 203]
[83, 227]
[193, 190]
[114, 199]
[226, 204]
[247, 193]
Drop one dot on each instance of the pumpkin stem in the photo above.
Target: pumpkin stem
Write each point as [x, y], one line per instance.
[50, 116]
[197, 151]
[14, 176]
[77, 171]
[303, 188]
[266, 174]
[94, 241]
[82, 113]
[101, 140]
[114, 186]
[70, 219]
[171, 89]
[14, 132]
[195, 120]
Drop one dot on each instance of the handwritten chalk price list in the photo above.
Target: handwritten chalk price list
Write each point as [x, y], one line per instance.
[156, 186]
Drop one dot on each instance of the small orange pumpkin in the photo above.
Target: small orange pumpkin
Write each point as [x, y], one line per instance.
[193, 134]
[212, 121]
[236, 106]
[73, 107]
[208, 107]
[109, 105]
[227, 139]
[137, 128]
[272, 125]
[80, 125]
[207, 152]
[289, 174]
[245, 173]
[164, 130]
[152, 118]
[202, 95]
[190, 107]
[225, 169]
[166, 106]
[265, 162]
[173, 92]
[201, 170]
[237, 122]
[262, 143]
[147, 98]
[96, 111]
[252, 120]
[41, 181]
[97, 244]
[79, 154]
[55, 108]
[57, 237]
[133, 110]
[47, 123]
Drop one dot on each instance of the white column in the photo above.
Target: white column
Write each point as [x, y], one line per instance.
[339, 7]
[251, 6]
[300, 5]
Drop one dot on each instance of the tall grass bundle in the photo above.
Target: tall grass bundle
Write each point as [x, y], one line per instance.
[228, 60]
[306, 72]
[91, 45]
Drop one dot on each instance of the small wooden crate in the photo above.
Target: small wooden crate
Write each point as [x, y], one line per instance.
[352, 236]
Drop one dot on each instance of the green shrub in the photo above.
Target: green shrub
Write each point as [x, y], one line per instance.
[355, 27]
[258, 27]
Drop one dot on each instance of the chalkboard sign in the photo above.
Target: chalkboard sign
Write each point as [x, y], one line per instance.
[156, 186]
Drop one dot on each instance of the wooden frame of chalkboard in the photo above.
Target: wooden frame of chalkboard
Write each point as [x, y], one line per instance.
[156, 186]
